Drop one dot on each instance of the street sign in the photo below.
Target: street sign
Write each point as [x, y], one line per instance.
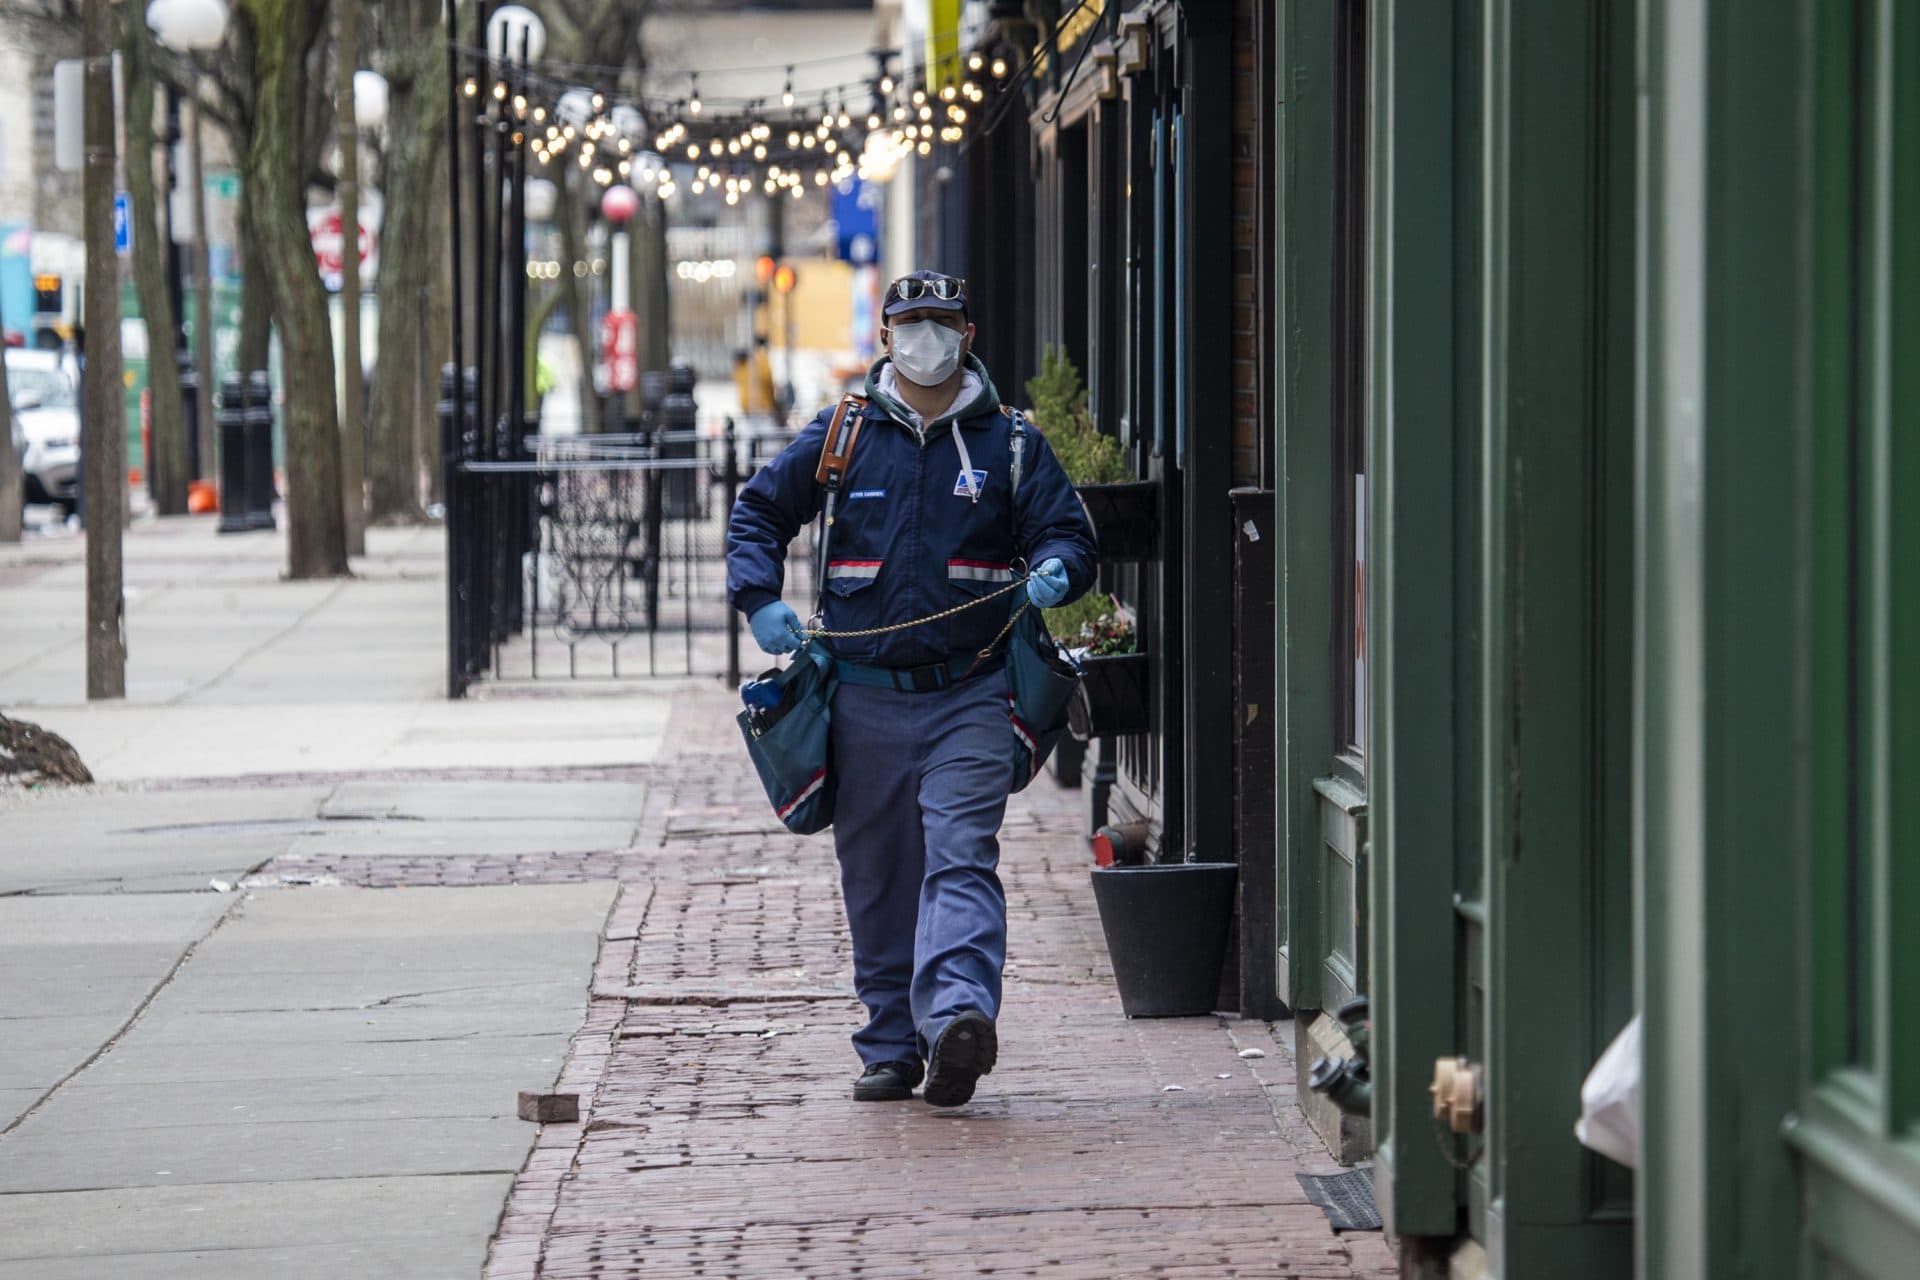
[620, 350]
[122, 223]
[223, 186]
[324, 228]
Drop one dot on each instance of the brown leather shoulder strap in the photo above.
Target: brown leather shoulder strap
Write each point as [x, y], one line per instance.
[836, 451]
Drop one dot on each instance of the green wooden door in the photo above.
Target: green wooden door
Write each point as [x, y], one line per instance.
[1503, 403]
[1860, 1169]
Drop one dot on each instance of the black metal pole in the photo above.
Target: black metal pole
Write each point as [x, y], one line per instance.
[452, 385]
[732, 473]
[177, 296]
[519, 490]
[496, 244]
[476, 139]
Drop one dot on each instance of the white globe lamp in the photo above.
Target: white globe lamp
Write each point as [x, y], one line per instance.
[512, 24]
[542, 199]
[369, 99]
[189, 26]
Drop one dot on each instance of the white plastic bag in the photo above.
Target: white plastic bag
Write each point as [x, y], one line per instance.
[1610, 1100]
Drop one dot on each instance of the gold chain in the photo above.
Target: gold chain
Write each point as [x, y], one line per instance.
[920, 622]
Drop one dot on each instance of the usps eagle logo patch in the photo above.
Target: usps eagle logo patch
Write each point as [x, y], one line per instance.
[960, 484]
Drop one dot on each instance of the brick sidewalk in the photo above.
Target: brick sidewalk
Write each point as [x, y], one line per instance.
[719, 1138]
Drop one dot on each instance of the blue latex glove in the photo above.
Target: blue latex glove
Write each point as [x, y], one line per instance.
[1047, 585]
[776, 627]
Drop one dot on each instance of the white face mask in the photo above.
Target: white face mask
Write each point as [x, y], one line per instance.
[926, 352]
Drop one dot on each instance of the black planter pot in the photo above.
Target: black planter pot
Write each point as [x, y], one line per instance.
[1126, 518]
[1166, 928]
[1112, 699]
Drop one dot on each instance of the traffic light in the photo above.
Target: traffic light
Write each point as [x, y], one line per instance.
[763, 268]
[784, 279]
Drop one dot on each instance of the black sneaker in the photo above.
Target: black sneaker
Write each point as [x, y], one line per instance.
[887, 1082]
[964, 1052]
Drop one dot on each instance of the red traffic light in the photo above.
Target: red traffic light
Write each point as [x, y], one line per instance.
[763, 268]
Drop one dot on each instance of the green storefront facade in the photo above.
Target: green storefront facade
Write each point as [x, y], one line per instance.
[1638, 368]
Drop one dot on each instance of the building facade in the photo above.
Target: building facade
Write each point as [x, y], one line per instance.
[1527, 394]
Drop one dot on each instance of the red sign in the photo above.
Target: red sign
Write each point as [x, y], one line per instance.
[620, 350]
[329, 246]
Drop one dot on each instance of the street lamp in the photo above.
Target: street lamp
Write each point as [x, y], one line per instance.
[369, 100]
[509, 24]
[185, 26]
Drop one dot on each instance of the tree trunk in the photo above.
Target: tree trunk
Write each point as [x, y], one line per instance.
[103, 427]
[11, 496]
[256, 292]
[317, 536]
[167, 467]
[353, 410]
[415, 189]
[440, 321]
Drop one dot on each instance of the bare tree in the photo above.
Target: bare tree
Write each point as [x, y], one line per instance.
[284, 134]
[353, 415]
[11, 495]
[414, 64]
[103, 426]
[167, 466]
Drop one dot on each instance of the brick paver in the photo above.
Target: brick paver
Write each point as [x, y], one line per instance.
[718, 1137]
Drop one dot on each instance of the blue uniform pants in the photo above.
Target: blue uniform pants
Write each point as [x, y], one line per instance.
[923, 781]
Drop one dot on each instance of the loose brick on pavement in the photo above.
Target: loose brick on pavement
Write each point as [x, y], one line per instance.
[718, 1136]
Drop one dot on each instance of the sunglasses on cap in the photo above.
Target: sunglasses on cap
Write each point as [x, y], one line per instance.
[945, 288]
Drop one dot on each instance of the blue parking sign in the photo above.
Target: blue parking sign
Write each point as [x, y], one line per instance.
[122, 223]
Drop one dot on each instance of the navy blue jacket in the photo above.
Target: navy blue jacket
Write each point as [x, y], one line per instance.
[908, 540]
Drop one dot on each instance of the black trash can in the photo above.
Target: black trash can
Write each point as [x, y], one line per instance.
[1166, 927]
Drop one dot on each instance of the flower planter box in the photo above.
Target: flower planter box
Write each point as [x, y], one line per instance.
[1113, 697]
[1166, 927]
[1126, 518]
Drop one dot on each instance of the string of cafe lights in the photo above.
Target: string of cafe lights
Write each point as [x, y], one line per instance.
[736, 144]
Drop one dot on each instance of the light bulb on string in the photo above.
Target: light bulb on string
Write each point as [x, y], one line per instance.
[843, 120]
[899, 113]
[819, 177]
[599, 103]
[793, 138]
[693, 151]
[539, 115]
[733, 146]
[948, 93]
[919, 97]
[873, 121]
[926, 148]
[759, 151]
[886, 84]
[975, 61]
[693, 101]
[471, 88]
[714, 148]
[830, 145]
[999, 68]
[698, 188]
[499, 90]
[786, 97]
[926, 112]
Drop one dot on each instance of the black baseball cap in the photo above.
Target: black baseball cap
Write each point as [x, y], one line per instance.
[925, 291]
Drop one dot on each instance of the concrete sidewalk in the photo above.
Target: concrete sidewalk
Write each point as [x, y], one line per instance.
[215, 1060]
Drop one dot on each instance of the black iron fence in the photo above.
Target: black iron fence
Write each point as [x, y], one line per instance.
[596, 556]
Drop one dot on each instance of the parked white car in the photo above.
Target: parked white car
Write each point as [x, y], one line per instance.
[46, 411]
